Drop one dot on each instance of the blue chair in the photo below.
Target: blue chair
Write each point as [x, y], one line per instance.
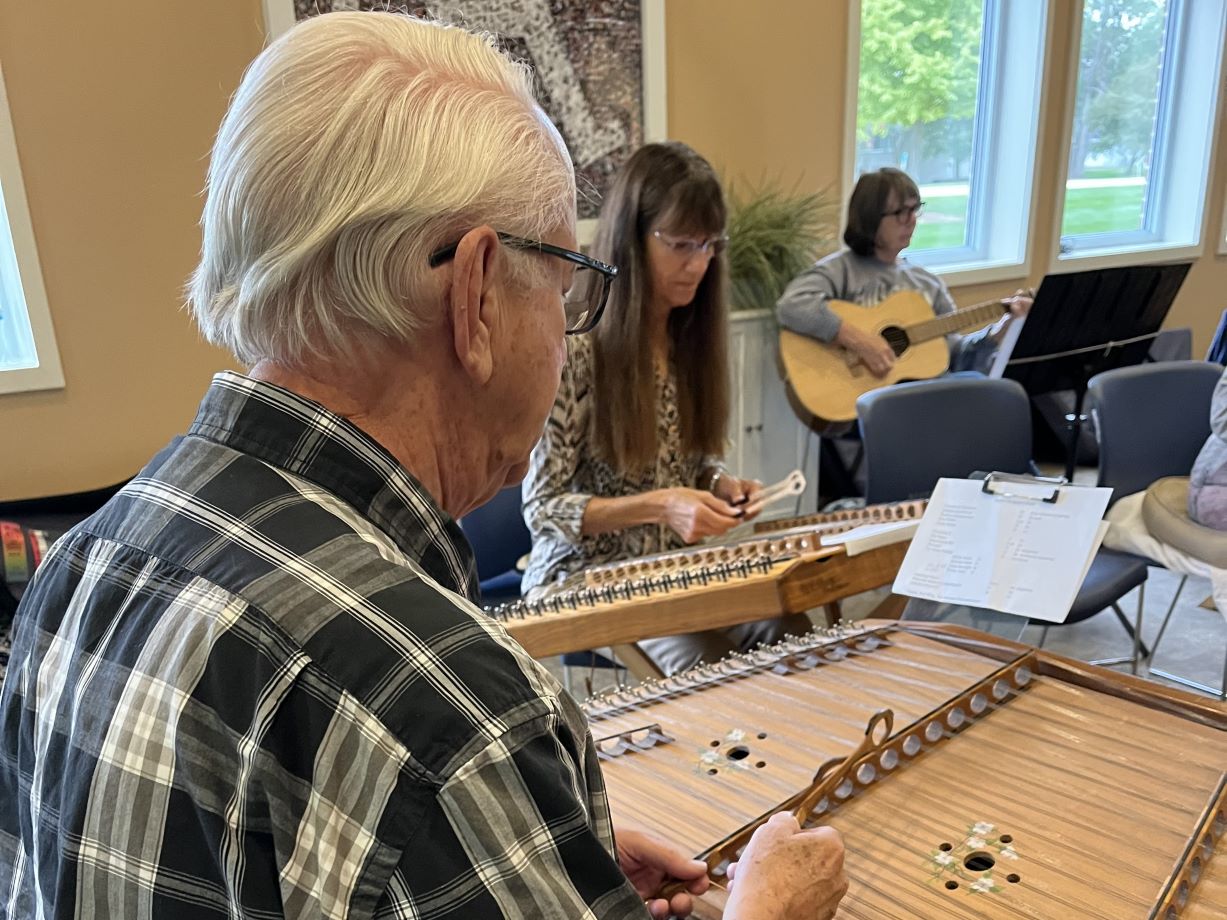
[499, 538]
[916, 433]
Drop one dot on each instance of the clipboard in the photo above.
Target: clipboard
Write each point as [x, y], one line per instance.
[1017, 544]
[999, 484]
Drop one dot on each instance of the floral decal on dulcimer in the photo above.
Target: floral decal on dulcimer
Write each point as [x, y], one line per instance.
[979, 864]
[730, 753]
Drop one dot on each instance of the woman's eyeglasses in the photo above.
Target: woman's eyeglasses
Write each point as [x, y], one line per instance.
[585, 299]
[685, 248]
[906, 212]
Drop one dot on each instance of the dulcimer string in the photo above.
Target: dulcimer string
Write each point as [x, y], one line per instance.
[638, 700]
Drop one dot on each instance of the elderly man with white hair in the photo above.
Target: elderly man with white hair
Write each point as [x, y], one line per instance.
[253, 685]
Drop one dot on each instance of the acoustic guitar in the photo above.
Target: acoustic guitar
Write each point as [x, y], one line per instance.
[827, 378]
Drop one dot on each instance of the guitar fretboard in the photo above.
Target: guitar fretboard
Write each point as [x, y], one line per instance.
[970, 318]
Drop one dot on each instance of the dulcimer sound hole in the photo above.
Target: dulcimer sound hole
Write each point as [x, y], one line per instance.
[979, 861]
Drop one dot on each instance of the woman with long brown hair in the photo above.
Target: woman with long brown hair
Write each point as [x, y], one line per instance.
[630, 461]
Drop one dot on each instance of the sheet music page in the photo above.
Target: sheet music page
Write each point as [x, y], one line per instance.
[870, 536]
[1005, 347]
[1007, 550]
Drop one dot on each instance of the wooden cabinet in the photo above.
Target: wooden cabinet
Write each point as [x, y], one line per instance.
[767, 440]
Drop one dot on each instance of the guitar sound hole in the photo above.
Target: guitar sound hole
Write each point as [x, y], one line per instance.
[896, 338]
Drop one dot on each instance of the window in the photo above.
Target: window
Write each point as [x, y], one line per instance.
[1142, 126]
[948, 91]
[28, 356]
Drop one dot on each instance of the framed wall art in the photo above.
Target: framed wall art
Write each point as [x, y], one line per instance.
[600, 67]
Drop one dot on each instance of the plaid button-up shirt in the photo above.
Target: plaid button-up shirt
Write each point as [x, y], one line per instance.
[251, 686]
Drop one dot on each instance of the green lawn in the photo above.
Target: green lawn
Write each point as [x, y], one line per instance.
[1087, 210]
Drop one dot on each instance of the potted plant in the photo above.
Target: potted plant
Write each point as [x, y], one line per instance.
[774, 234]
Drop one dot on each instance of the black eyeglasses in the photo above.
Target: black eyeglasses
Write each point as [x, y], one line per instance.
[908, 210]
[584, 301]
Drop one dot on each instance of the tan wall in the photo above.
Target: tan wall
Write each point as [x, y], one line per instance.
[761, 90]
[114, 115]
[114, 109]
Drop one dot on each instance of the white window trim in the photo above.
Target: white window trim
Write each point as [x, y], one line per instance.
[985, 268]
[48, 375]
[279, 17]
[1141, 247]
[1222, 233]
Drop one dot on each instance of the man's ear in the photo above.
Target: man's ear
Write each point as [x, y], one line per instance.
[472, 301]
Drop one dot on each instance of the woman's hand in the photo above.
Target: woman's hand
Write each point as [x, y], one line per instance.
[694, 514]
[873, 350]
[736, 492]
[1020, 302]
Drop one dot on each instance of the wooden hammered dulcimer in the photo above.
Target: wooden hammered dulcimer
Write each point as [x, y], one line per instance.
[969, 776]
[701, 587]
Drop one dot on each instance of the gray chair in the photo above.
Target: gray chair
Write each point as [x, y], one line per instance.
[1152, 420]
[916, 433]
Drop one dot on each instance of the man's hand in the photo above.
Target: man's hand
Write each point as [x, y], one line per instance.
[650, 863]
[873, 350]
[786, 873]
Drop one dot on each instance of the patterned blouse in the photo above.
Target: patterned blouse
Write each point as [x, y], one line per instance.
[564, 474]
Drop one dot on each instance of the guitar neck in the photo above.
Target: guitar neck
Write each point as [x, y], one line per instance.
[968, 318]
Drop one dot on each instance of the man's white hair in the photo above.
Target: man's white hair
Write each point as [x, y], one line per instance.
[355, 145]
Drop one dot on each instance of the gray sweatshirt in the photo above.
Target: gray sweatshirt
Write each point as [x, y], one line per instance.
[866, 281]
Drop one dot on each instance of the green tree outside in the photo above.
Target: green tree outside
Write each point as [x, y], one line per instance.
[918, 87]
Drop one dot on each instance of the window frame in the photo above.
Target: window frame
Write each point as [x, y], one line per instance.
[48, 374]
[1158, 240]
[1012, 70]
[1222, 233]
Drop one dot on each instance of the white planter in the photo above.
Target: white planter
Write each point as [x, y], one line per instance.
[767, 439]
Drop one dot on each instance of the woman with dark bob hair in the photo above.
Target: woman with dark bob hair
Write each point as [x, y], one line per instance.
[882, 215]
[630, 461]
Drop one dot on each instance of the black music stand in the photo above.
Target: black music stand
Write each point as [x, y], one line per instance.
[1084, 323]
